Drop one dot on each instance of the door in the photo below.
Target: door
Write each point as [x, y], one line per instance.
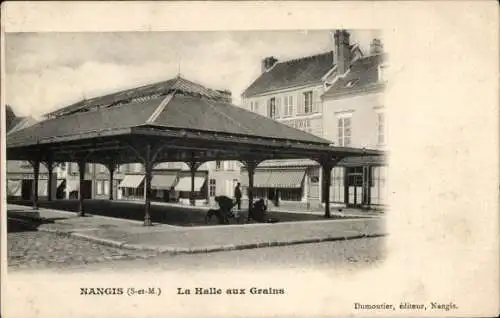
[355, 186]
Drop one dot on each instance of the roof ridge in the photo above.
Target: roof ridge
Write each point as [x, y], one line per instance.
[160, 108]
[305, 57]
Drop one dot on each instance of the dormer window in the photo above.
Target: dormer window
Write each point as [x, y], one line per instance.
[382, 73]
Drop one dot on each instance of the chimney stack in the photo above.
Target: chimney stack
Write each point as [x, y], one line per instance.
[342, 51]
[376, 46]
[268, 62]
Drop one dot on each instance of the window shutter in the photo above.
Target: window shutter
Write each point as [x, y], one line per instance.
[290, 105]
[278, 107]
[315, 102]
[300, 103]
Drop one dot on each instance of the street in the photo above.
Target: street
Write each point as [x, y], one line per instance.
[34, 250]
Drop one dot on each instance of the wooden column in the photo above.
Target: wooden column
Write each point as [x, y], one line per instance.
[193, 166]
[111, 169]
[50, 169]
[251, 166]
[148, 169]
[81, 172]
[327, 180]
[327, 165]
[36, 174]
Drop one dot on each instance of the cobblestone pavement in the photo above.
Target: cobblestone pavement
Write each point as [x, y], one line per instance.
[41, 250]
[33, 250]
[350, 254]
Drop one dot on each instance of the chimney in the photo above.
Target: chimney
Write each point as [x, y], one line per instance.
[268, 62]
[342, 51]
[376, 46]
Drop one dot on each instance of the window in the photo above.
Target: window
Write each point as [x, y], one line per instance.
[211, 188]
[271, 108]
[382, 70]
[381, 128]
[308, 102]
[290, 194]
[106, 187]
[218, 165]
[288, 106]
[256, 106]
[344, 131]
[100, 187]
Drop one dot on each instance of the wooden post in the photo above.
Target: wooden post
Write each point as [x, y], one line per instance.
[111, 169]
[193, 166]
[36, 173]
[148, 167]
[50, 169]
[327, 165]
[251, 166]
[81, 171]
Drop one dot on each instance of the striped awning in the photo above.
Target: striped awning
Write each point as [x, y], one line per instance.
[131, 181]
[72, 185]
[14, 188]
[43, 187]
[185, 184]
[163, 181]
[260, 178]
[290, 179]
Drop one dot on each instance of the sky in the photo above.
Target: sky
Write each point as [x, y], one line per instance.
[48, 71]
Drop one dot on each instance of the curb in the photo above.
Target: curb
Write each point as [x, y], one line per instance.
[198, 250]
[211, 249]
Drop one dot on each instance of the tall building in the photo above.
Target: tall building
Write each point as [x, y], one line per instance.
[336, 95]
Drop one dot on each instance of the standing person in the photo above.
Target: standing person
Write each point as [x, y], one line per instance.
[237, 196]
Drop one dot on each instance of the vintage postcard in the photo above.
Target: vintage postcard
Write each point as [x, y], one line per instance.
[249, 159]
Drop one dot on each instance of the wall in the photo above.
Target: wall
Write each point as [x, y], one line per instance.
[364, 127]
[295, 119]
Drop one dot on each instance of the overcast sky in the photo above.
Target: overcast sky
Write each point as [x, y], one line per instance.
[47, 71]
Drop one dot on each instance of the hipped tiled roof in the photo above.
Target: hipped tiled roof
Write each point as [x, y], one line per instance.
[293, 73]
[138, 94]
[189, 107]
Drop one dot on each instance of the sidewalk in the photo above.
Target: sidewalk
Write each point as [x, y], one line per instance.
[348, 212]
[164, 238]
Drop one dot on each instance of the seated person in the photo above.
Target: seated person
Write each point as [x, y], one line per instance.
[225, 205]
[259, 211]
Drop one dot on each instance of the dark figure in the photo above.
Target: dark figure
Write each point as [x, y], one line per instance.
[223, 213]
[237, 196]
[259, 213]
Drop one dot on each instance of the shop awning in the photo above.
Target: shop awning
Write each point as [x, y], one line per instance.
[291, 179]
[276, 178]
[131, 181]
[72, 185]
[185, 184]
[163, 181]
[14, 188]
[42, 187]
[260, 179]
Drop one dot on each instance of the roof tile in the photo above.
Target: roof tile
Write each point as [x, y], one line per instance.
[293, 73]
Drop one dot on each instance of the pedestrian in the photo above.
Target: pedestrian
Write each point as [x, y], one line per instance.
[237, 196]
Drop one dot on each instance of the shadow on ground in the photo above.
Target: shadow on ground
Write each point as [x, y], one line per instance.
[174, 215]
